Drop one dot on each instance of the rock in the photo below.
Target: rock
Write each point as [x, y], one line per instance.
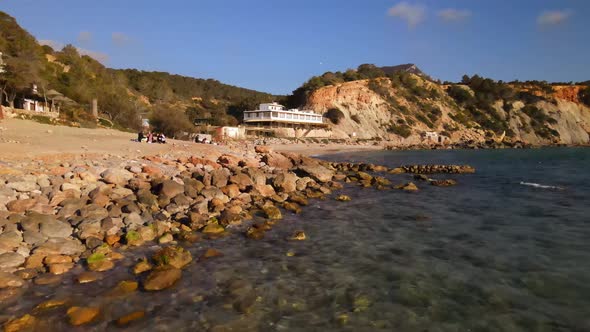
[10, 240]
[57, 259]
[443, 183]
[24, 323]
[397, 170]
[129, 318]
[147, 233]
[23, 186]
[10, 261]
[48, 279]
[255, 233]
[228, 218]
[133, 238]
[82, 315]
[142, 266]
[61, 246]
[70, 186]
[21, 205]
[34, 238]
[242, 180]
[293, 207]
[317, 172]
[286, 182]
[166, 238]
[421, 177]
[220, 177]
[115, 176]
[123, 288]
[27, 274]
[262, 149]
[51, 227]
[170, 189]
[408, 187]
[264, 190]
[272, 212]
[134, 169]
[60, 268]
[9, 280]
[210, 253]
[88, 277]
[173, 256]
[50, 304]
[343, 198]
[162, 279]
[98, 262]
[277, 160]
[298, 236]
[213, 229]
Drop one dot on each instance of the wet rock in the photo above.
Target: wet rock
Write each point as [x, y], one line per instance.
[272, 212]
[142, 266]
[130, 318]
[166, 238]
[210, 253]
[123, 288]
[88, 277]
[47, 279]
[213, 229]
[98, 262]
[421, 177]
[397, 170]
[147, 233]
[60, 268]
[228, 218]
[255, 233]
[293, 207]
[24, 323]
[133, 238]
[27, 274]
[162, 279]
[343, 198]
[174, 256]
[10, 261]
[116, 176]
[317, 172]
[51, 304]
[443, 183]
[298, 236]
[299, 199]
[408, 187]
[381, 181]
[82, 315]
[57, 259]
[9, 280]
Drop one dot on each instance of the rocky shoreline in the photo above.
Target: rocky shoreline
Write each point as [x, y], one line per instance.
[57, 215]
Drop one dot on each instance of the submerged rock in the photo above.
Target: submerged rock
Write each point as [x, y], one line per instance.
[298, 236]
[82, 315]
[162, 279]
[24, 323]
[443, 183]
[173, 256]
[129, 318]
[272, 212]
[343, 198]
[9, 280]
[408, 187]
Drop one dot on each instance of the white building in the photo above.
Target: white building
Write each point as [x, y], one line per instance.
[276, 114]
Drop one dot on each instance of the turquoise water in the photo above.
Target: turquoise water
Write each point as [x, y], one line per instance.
[490, 254]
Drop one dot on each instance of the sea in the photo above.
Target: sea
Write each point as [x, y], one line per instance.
[506, 249]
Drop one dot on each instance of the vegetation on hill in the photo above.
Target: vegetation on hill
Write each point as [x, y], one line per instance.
[124, 96]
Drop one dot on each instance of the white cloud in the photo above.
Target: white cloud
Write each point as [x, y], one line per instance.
[84, 36]
[120, 39]
[554, 17]
[454, 15]
[57, 46]
[412, 14]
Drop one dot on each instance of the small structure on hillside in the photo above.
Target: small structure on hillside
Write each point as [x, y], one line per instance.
[230, 132]
[434, 137]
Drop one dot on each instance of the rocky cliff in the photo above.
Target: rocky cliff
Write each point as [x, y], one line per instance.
[402, 113]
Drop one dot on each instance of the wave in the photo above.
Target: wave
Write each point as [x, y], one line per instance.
[540, 186]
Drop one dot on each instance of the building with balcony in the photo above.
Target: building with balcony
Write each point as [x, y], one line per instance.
[272, 117]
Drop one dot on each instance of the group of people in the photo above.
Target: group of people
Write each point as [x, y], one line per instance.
[151, 137]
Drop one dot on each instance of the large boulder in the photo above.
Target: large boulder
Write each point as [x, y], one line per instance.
[60, 246]
[220, 177]
[317, 172]
[116, 176]
[170, 188]
[286, 182]
[10, 261]
[277, 160]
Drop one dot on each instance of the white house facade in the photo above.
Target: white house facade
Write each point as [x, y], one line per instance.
[276, 113]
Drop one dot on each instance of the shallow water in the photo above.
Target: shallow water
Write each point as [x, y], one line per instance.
[490, 254]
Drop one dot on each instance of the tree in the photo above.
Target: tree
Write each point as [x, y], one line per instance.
[584, 95]
[170, 121]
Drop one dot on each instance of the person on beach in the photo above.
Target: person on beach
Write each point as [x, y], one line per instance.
[150, 137]
[161, 139]
[140, 136]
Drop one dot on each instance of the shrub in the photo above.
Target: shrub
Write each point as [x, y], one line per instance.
[334, 115]
[461, 95]
[401, 130]
[584, 96]
[170, 121]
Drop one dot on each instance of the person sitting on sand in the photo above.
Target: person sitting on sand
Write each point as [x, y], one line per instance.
[161, 139]
[140, 136]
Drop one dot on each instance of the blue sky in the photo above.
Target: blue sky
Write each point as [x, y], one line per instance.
[276, 45]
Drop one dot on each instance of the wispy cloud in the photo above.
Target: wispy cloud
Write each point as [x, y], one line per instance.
[84, 36]
[120, 39]
[412, 14]
[554, 17]
[453, 15]
[99, 56]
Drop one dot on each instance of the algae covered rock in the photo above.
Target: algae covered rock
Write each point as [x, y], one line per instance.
[173, 256]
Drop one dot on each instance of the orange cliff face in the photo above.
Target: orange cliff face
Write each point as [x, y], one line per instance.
[568, 92]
